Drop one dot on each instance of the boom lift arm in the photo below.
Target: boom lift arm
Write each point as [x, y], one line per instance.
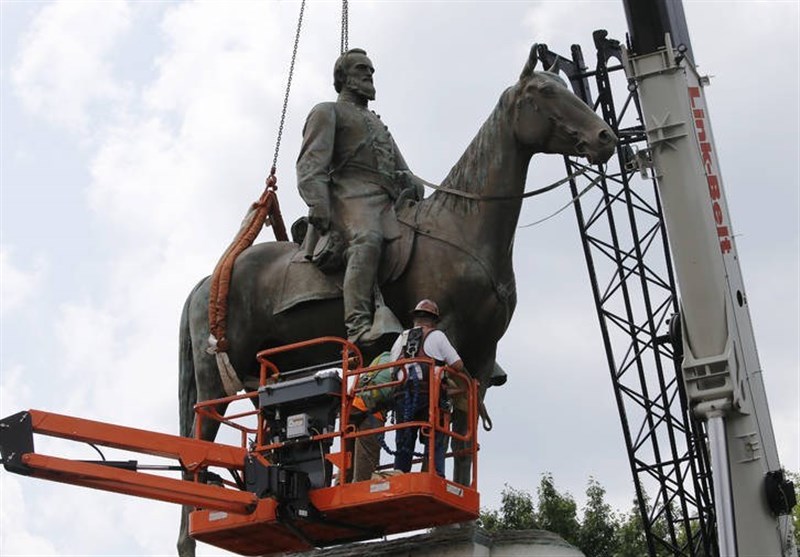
[721, 371]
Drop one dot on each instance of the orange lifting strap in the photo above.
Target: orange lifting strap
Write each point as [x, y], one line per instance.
[263, 212]
[288, 492]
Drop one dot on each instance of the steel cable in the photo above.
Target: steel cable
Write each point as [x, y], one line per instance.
[288, 89]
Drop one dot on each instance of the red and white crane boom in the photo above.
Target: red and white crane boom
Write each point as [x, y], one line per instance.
[721, 371]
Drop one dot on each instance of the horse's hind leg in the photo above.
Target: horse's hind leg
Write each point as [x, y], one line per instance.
[186, 544]
[199, 381]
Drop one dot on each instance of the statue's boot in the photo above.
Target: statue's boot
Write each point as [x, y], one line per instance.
[383, 331]
[363, 256]
[384, 321]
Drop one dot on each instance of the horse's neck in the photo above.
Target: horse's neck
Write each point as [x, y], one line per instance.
[493, 165]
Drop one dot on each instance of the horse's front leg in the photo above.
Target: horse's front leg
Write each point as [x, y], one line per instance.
[462, 465]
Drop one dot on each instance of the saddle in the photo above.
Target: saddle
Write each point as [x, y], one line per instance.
[303, 281]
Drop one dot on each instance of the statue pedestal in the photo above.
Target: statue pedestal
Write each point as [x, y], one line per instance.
[457, 541]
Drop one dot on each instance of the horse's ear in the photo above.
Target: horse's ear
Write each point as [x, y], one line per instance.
[530, 65]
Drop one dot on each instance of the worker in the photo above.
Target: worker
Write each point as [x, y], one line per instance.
[368, 411]
[350, 173]
[411, 401]
[366, 450]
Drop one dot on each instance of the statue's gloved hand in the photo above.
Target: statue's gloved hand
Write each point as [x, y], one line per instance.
[410, 186]
[419, 190]
[319, 216]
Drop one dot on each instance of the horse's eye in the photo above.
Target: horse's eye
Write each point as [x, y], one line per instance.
[547, 90]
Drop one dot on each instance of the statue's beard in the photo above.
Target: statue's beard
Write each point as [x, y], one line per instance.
[362, 88]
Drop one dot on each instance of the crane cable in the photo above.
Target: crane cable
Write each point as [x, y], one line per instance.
[288, 90]
[264, 212]
[343, 46]
[345, 28]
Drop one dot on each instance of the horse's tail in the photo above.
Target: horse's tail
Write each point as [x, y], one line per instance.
[187, 383]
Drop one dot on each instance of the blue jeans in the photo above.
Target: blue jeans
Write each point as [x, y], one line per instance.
[412, 407]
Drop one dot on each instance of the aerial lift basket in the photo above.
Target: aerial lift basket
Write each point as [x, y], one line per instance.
[288, 490]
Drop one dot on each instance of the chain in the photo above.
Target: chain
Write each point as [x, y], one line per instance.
[345, 28]
[286, 96]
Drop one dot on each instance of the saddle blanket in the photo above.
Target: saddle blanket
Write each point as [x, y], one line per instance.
[304, 282]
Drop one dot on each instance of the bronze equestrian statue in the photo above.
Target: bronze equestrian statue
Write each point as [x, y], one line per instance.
[458, 245]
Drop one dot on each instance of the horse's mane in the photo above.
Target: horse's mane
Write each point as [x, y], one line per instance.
[469, 174]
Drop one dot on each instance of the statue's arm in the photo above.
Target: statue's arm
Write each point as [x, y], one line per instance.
[405, 178]
[314, 163]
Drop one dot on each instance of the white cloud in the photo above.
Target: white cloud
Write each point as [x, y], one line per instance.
[140, 176]
[64, 69]
[16, 537]
[86, 336]
[233, 57]
[18, 285]
[15, 391]
[18, 501]
[179, 172]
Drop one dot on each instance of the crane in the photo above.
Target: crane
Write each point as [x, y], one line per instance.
[721, 372]
[692, 403]
[701, 431]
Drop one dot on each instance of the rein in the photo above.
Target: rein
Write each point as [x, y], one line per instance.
[571, 201]
[478, 197]
[525, 195]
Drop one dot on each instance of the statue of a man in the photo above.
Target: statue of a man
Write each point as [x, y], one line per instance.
[350, 173]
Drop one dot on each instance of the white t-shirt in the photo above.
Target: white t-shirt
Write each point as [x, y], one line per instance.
[436, 346]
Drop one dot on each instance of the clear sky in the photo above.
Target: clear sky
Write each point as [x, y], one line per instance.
[135, 135]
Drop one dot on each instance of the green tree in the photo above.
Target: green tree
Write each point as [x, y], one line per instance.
[600, 533]
[516, 512]
[596, 537]
[557, 512]
[630, 538]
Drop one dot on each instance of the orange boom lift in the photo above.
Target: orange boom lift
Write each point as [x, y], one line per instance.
[284, 494]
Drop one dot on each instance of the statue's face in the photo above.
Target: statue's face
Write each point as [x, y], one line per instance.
[359, 76]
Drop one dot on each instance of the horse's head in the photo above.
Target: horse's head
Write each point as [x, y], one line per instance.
[549, 118]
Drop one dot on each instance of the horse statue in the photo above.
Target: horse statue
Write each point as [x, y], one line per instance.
[461, 254]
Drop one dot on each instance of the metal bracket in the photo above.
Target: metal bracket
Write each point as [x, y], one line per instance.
[663, 133]
[641, 161]
[16, 440]
[780, 493]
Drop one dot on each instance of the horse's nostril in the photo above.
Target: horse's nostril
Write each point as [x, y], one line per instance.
[605, 136]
